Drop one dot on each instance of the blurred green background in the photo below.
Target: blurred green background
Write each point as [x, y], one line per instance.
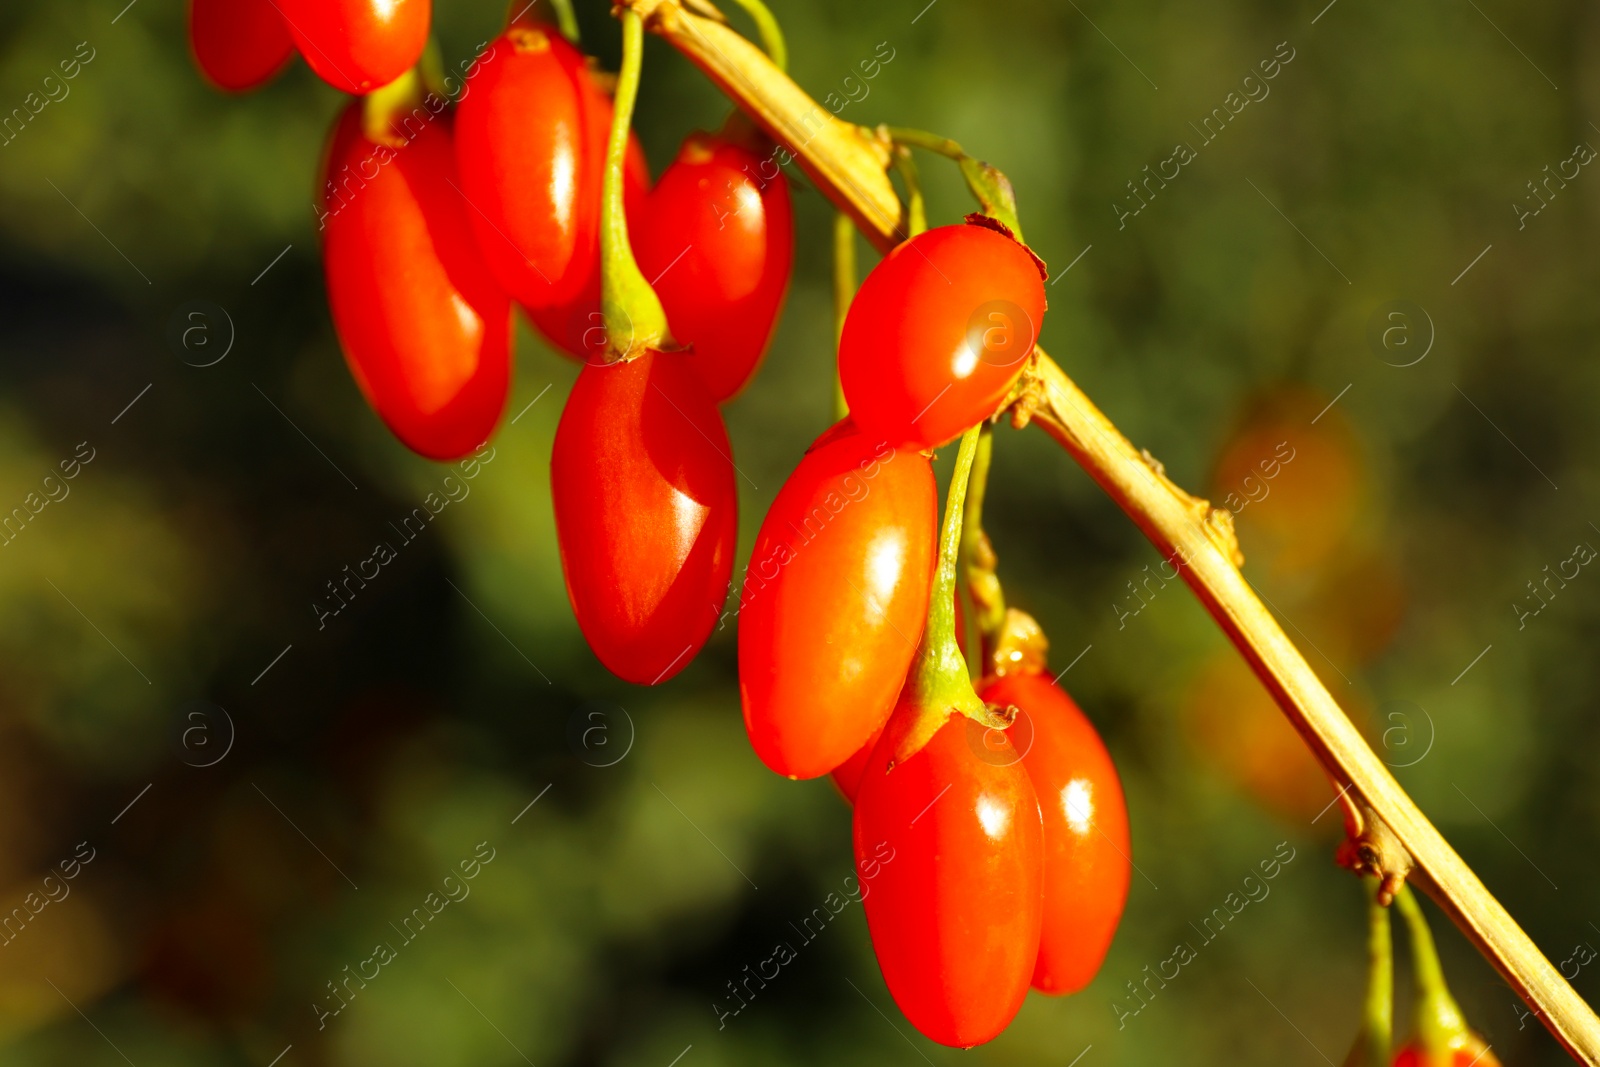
[296, 792]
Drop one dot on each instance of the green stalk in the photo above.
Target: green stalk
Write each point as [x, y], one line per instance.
[977, 557]
[1377, 1015]
[379, 108]
[1439, 1023]
[844, 291]
[989, 186]
[634, 318]
[939, 682]
[944, 146]
[916, 206]
[566, 19]
[767, 27]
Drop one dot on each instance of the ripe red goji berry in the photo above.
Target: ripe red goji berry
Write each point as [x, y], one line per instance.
[1476, 1056]
[357, 46]
[531, 132]
[955, 918]
[425, 329]
[646, 512]
[847, 776]
[717, 241]
[834, 600]
[238, 44]
[939, 332]
[1086, 840]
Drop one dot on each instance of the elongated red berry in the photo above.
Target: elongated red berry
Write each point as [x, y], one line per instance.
[425, 329]
[238, 44]
[847, 776]
[939, 332]
[955, 916]
[1086, 842]
[717, 242]
[357, 46]
[646, 512]
[834, 600]
[531, 131]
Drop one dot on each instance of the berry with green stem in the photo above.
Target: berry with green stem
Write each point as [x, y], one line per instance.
[1440, 1034]
[641, 474]
[955, 917]
[423, 325]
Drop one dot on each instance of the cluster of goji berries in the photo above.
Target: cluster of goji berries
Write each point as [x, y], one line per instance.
[441, 206]
[1002, 806]
[441, 210]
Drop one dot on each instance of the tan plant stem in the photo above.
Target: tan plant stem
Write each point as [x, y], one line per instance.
[835, 155]
[849, 168]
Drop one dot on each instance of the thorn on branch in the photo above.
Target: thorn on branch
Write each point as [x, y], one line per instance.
[1219, 527]
[1215, 523]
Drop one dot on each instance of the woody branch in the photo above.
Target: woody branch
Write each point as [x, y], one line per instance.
[1389, 835]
